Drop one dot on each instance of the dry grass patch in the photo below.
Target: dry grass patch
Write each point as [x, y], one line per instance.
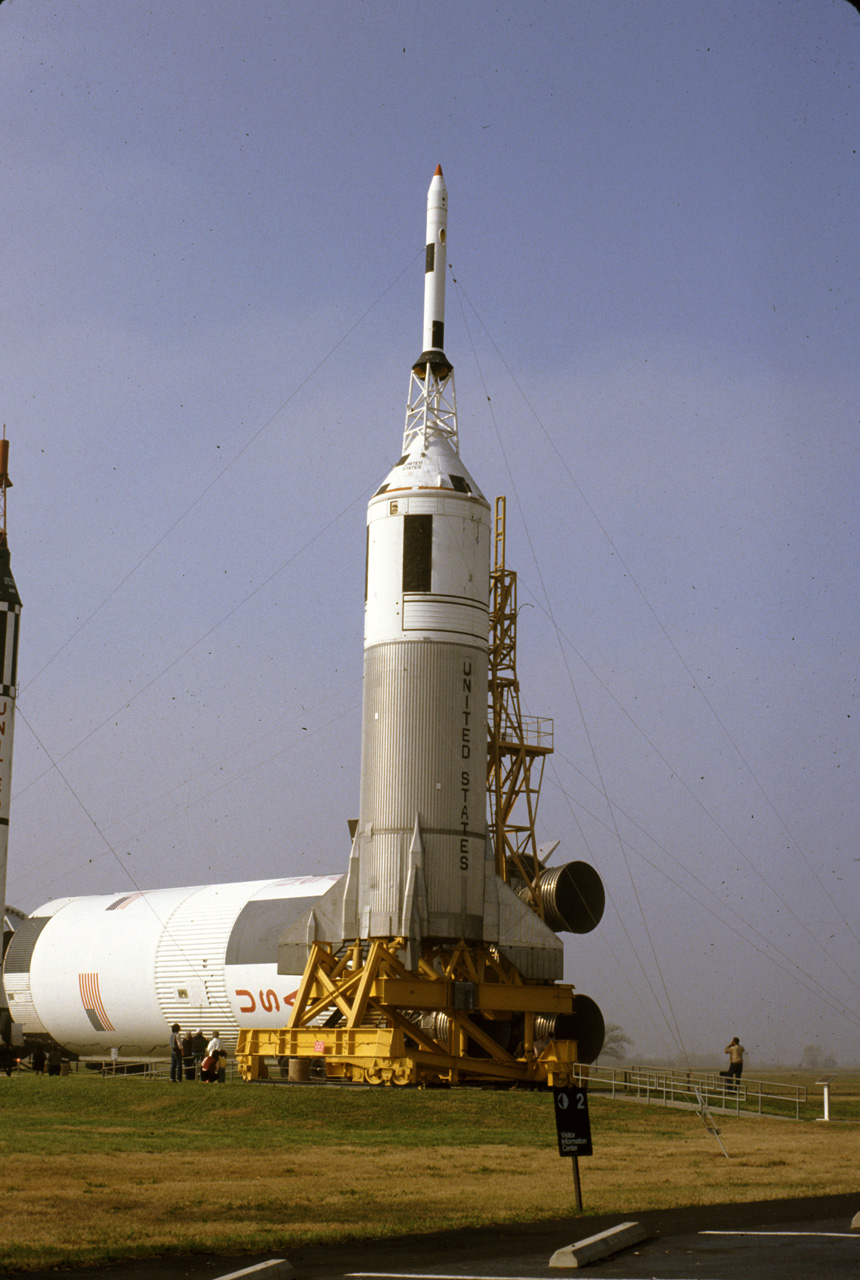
[304, 1182]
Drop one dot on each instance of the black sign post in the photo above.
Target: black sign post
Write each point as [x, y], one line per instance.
[573, 1128]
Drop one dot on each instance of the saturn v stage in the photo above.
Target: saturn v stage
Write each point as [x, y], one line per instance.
[434, 956]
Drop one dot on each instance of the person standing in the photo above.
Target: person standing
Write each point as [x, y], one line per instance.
[213, 1056]
[187, 1055]
[198, 1048]
[736, 1051]
[175, 1054]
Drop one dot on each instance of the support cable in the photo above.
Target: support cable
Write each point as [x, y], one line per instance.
[303, 382]
[671, 1021]
[695, 684]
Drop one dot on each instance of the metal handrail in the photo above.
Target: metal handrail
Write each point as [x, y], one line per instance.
[538, 731]
[675, 1087]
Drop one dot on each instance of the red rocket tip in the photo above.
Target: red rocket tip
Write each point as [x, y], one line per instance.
[438, 173]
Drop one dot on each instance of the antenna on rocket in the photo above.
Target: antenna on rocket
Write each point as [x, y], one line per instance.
[5, 483]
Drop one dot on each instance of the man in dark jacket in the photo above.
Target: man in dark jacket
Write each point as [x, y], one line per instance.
[175, 1054]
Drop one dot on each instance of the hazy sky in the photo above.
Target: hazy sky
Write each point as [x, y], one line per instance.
[211, 288]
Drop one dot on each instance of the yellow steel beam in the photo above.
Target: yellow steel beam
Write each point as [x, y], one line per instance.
[367, 978]
[332, 993]
[298, 1010]
[377, 988]
[382, 1056]
[409, 1029]
[490, 997]
[496, 1051]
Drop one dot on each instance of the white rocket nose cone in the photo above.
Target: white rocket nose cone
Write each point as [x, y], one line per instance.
[435, 264]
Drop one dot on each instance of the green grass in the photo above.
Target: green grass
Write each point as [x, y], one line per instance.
[81, 1114]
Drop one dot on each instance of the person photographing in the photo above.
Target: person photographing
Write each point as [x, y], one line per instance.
[736, 1051]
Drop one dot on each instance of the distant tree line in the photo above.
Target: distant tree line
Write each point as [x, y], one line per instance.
[615, 1043]
[814, 1059]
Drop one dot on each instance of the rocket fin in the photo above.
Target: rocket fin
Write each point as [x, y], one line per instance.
[349, 917]
[414, 921]
[416, 847]
[415, 910]
[311, 927]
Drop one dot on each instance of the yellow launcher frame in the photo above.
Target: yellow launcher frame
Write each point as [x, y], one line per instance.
[360, 1012]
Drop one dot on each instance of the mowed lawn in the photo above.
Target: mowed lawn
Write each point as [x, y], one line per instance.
[120, 1168]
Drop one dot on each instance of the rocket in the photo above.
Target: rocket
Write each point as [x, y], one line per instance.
[421, 866]
[10, 618]
[435, 261]
[421, 836]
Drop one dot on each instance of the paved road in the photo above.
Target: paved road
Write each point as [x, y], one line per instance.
[687, 1244]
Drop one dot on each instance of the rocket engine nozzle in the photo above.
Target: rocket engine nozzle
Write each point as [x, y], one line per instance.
[585, 1025]
[573, 897]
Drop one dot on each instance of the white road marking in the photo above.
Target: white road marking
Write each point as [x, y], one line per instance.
[830, 1235]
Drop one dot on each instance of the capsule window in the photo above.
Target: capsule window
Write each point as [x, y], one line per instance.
[417, 552]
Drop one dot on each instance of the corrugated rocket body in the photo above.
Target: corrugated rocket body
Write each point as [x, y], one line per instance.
[423, 790]
[114, 971]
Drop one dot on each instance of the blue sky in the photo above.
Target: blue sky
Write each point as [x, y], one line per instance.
[211, 286]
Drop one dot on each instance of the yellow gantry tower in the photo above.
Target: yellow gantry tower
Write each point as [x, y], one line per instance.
[518, 744]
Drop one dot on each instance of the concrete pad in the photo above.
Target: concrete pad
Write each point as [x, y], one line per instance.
[276, 1269]
[601, 1246]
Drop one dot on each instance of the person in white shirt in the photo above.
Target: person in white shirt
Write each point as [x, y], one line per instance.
[214, 1052]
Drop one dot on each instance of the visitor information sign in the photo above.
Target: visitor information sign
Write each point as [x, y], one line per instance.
[571, 1121]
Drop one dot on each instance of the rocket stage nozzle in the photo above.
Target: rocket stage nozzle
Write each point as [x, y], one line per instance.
[573, 896]
[584, 1024]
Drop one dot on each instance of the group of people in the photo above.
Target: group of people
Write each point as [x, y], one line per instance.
[192, 1057]
[40, 1061]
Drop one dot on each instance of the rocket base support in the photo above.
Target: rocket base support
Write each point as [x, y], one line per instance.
[373, 1021]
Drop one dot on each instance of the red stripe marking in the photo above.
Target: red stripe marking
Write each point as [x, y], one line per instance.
[88, 984]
